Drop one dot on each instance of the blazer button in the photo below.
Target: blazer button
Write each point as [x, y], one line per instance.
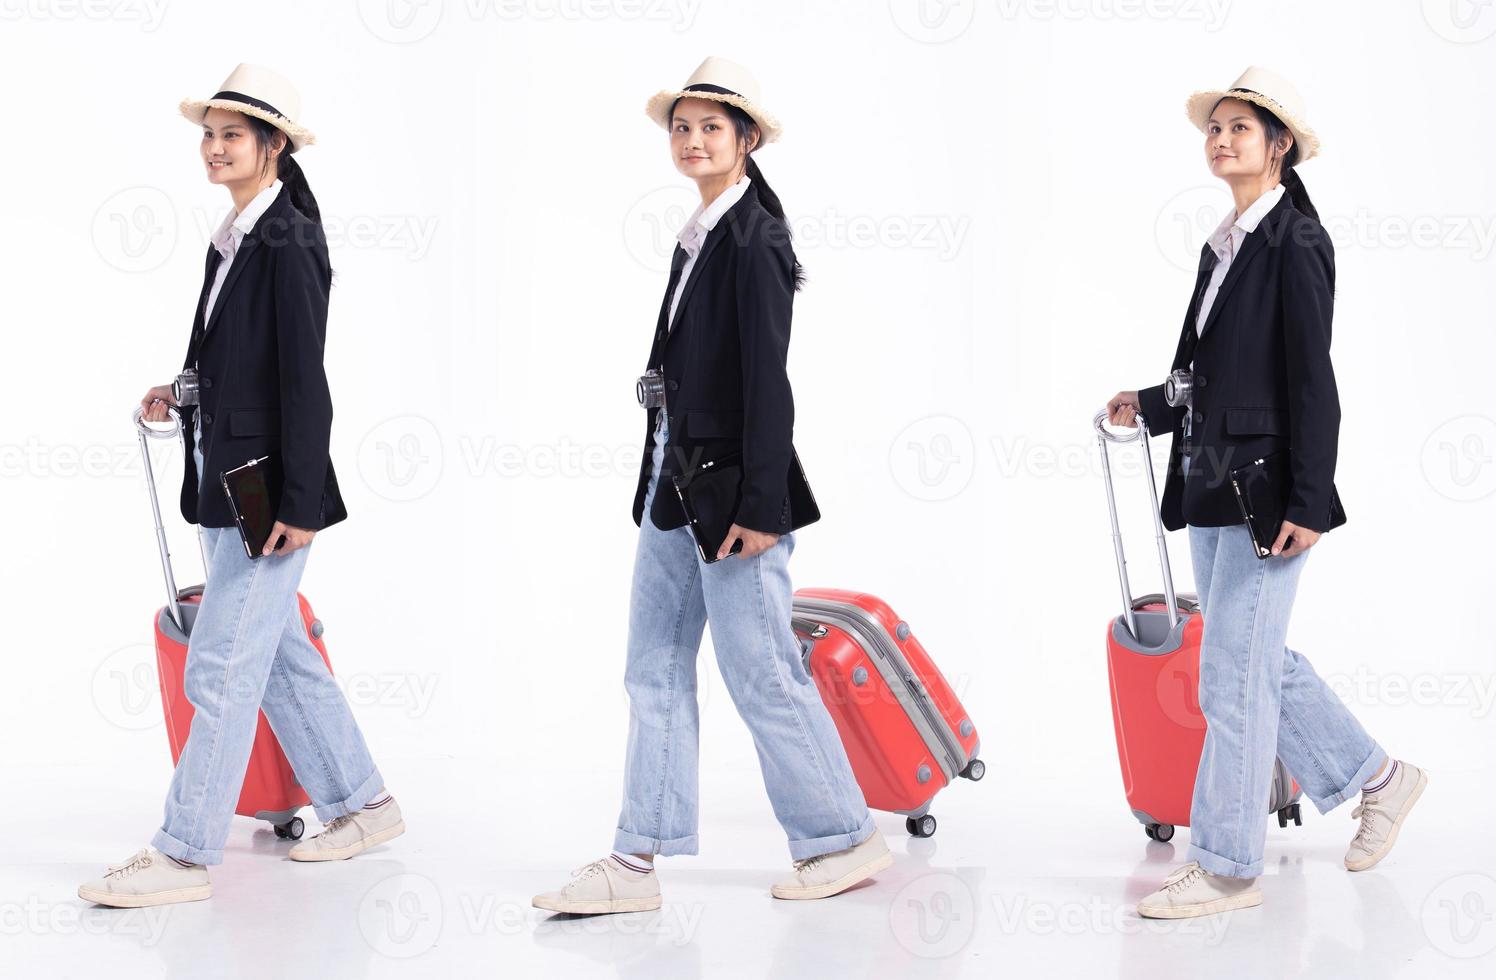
[1199, 381]
[207, 419]
[1199, 417]
[673, 385]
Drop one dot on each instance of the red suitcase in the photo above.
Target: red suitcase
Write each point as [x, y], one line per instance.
[270, 791]
[905, 731]
[1153, 658]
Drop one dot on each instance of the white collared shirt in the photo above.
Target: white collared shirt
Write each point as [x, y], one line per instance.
[693, 235]
[228, 236]
[1226, 241]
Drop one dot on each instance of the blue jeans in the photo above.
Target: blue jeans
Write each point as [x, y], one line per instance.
[747, 602]
[1262, 701]
[249, 650]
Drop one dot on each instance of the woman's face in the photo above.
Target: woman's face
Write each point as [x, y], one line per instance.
[230, 151]
[1236, 144]
[703, 142]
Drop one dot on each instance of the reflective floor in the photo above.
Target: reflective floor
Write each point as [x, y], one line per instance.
[1038, 883]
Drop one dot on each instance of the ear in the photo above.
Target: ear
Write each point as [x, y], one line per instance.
[754, 135]
[1285, 141]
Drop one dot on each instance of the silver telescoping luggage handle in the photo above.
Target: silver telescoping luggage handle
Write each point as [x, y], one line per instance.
[144, 431]
[1139, 435]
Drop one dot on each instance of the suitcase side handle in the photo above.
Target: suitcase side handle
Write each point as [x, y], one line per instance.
[1104, 435]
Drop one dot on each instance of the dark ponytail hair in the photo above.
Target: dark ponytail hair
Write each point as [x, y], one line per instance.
[287, 170]
[749, 132]
[1292, 182]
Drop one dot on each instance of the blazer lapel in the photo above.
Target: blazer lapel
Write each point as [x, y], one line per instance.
[1251, 246]
[713, 239]
[241, 259]
[246, 248]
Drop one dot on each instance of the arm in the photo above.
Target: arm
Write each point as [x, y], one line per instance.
[301, 276]
[765, 291]
[1313, 401]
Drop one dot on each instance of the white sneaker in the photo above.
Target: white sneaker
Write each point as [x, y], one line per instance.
[353, 833]
[827, 874]
[1382, 811]
[1193, 891]
[148, 878]
[602, 887]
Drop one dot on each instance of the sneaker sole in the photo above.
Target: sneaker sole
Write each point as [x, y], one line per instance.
[358, 847]
[1366, 864]
[1245, 901]
[598, 907]
[841, 884]
[194, 894]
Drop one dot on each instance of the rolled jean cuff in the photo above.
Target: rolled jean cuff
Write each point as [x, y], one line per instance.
[1225, 867]
[355, 802]
[1369, 768]
[628, 842]
[171, 847]
[816, 846]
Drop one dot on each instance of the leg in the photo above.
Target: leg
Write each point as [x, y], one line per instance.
[230, 650]
[1319, 740]
[315, 726]
[805, 768]
[666, 621]
[1241, 667]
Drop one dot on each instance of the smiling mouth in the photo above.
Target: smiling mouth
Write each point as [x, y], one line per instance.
[218, 163]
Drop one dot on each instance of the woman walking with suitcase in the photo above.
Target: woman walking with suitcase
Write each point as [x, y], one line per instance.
[1251, 378]
[720, 351]
[255, 360]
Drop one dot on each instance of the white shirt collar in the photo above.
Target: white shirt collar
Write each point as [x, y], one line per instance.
[1240, 227]
[706, 216]
[238, 224]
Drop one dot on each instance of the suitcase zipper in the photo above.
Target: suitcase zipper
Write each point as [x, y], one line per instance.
[892, 663]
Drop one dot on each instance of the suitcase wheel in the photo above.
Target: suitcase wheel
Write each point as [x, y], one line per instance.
[1290, 812]
[975, 770]
[1161, 832]
[290, 830]
[920, 826]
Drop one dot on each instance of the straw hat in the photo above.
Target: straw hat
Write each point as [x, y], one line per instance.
[721, 81]
[257, 92]
[1274, 93]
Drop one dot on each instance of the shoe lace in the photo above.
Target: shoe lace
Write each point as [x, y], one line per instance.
[1364, 811]
[808, 863]
[587, 870]
[137, 861]
[1184, 877]
[337, 823]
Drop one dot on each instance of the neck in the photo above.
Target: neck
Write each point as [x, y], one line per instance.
[245, 191]
[712, 187]
[1246, 190]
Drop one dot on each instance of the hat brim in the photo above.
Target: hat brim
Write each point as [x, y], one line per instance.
[658, 109]
[194, 110]
[1200, 105]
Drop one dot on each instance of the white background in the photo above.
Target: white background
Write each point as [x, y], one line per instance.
[998, 204]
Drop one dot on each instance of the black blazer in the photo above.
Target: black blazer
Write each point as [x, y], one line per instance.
[723, 360]
[261, 354]
[1263, 379]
